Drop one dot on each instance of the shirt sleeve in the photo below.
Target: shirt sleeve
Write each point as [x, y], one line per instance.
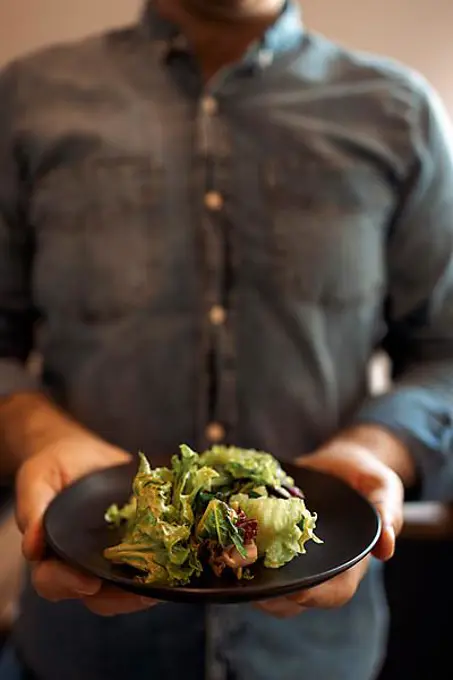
[419, 311]
[17, 315]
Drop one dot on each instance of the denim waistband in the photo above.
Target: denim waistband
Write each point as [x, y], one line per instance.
[11, 666]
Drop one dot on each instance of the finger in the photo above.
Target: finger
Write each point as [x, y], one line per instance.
[36, 489]
[388, 499]
[56, 581]
[280, 608]
[111, 601]
[33, 543]
[385, 547]
[334, 593]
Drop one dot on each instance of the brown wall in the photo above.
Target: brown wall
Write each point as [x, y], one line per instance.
[418, 32]
[26, 24]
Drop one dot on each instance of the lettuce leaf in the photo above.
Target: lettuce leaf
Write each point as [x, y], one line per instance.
[189, 480]
[217, 524]
[116, 515]
[157, 540]
[284, 527]
[183, 466]
[247, 464]
[174, 511]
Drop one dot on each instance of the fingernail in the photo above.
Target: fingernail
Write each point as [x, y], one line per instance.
[31, 550]
[389, 529]
[148, 601]
[391, 539]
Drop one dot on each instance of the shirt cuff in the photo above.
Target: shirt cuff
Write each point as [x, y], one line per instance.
[14, 377]
[424, 422]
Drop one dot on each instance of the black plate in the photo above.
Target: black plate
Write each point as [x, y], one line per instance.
[347, 523]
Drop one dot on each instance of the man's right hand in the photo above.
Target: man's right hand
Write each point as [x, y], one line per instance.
[39, 480]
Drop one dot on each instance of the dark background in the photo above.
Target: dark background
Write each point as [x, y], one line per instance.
[420, 591]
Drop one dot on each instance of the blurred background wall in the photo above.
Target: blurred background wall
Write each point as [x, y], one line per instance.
[418, 32]
[26, 24]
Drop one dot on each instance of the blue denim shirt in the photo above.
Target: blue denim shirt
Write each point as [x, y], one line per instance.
[221, 261]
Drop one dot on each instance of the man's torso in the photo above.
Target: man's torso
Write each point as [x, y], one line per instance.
[210, 255]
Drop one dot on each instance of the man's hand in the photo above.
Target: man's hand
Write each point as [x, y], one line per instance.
[40, 479]
[366, 458]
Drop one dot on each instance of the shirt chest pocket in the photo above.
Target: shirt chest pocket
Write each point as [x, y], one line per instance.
[97, 248]
[327, 236]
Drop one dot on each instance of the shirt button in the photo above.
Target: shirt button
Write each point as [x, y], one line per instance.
[265, 58]
[213, 200]
[209, 106]
[217, 315]
[215, 433]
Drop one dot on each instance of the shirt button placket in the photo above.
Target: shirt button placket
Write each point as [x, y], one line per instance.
[213, 200]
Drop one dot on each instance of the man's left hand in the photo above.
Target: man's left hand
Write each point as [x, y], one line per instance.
[373, 462]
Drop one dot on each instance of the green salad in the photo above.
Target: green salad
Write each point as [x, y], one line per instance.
[224, 509]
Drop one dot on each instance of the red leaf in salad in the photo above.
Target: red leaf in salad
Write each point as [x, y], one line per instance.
[247, 526]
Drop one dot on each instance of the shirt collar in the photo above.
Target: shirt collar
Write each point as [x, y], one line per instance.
[284, 35]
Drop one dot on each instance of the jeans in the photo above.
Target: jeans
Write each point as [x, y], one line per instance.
[10, 666]
[65, 641]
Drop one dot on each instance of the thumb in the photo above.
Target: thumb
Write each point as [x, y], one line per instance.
[388, 499]
[385, 547]
[35, 489]
[42, 477]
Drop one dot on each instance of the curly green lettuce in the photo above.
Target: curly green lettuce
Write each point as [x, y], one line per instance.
[257, 467]
[158, 539]
[116, 515]
[224, 507]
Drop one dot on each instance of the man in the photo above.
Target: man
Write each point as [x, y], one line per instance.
[209, 222]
